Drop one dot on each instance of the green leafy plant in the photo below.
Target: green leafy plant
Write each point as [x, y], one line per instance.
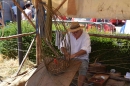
[9, 47]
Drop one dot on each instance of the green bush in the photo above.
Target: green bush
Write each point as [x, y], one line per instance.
[109, 52]
[10, 47]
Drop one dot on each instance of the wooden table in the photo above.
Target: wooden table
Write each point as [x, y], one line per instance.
[42, 77]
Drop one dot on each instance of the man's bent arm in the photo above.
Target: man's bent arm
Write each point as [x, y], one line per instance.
[81, 52]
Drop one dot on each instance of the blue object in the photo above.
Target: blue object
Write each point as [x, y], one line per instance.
[122, 29]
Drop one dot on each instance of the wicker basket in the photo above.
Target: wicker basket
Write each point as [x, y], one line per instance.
[96, 67]
[56, 66]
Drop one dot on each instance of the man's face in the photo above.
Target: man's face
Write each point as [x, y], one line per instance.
[77, 33]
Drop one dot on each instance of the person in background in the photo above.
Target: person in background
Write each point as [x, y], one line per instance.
[93, 20]
[28, 12]
[33, 11]
[79, 41]
[26, 2]
[1, 16]
[14, 9]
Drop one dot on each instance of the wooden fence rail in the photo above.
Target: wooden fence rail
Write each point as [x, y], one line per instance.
[16, 36]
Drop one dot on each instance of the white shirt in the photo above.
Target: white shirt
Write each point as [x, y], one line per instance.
[14, 8]
[28, 12]
[82, 43]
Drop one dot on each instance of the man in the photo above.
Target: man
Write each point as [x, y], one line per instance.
[80, 48]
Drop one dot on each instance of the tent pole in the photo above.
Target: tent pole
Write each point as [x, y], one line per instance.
[20, 53]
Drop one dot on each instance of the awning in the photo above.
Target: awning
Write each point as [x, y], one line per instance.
[108, 9]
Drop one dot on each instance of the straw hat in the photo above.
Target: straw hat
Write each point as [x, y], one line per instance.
[74, 27]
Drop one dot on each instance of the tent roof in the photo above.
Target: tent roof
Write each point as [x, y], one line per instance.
[94, 8]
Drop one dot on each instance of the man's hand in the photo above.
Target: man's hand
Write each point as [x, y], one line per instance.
[67, 56]
[73, 56]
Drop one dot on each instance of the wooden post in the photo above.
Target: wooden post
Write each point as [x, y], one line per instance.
[25, 57]
[38, 49]
[40, 29]
[20, 52]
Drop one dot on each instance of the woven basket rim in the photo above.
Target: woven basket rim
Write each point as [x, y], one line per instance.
[58, 68]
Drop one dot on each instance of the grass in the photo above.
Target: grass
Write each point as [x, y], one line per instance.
[9, 67]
